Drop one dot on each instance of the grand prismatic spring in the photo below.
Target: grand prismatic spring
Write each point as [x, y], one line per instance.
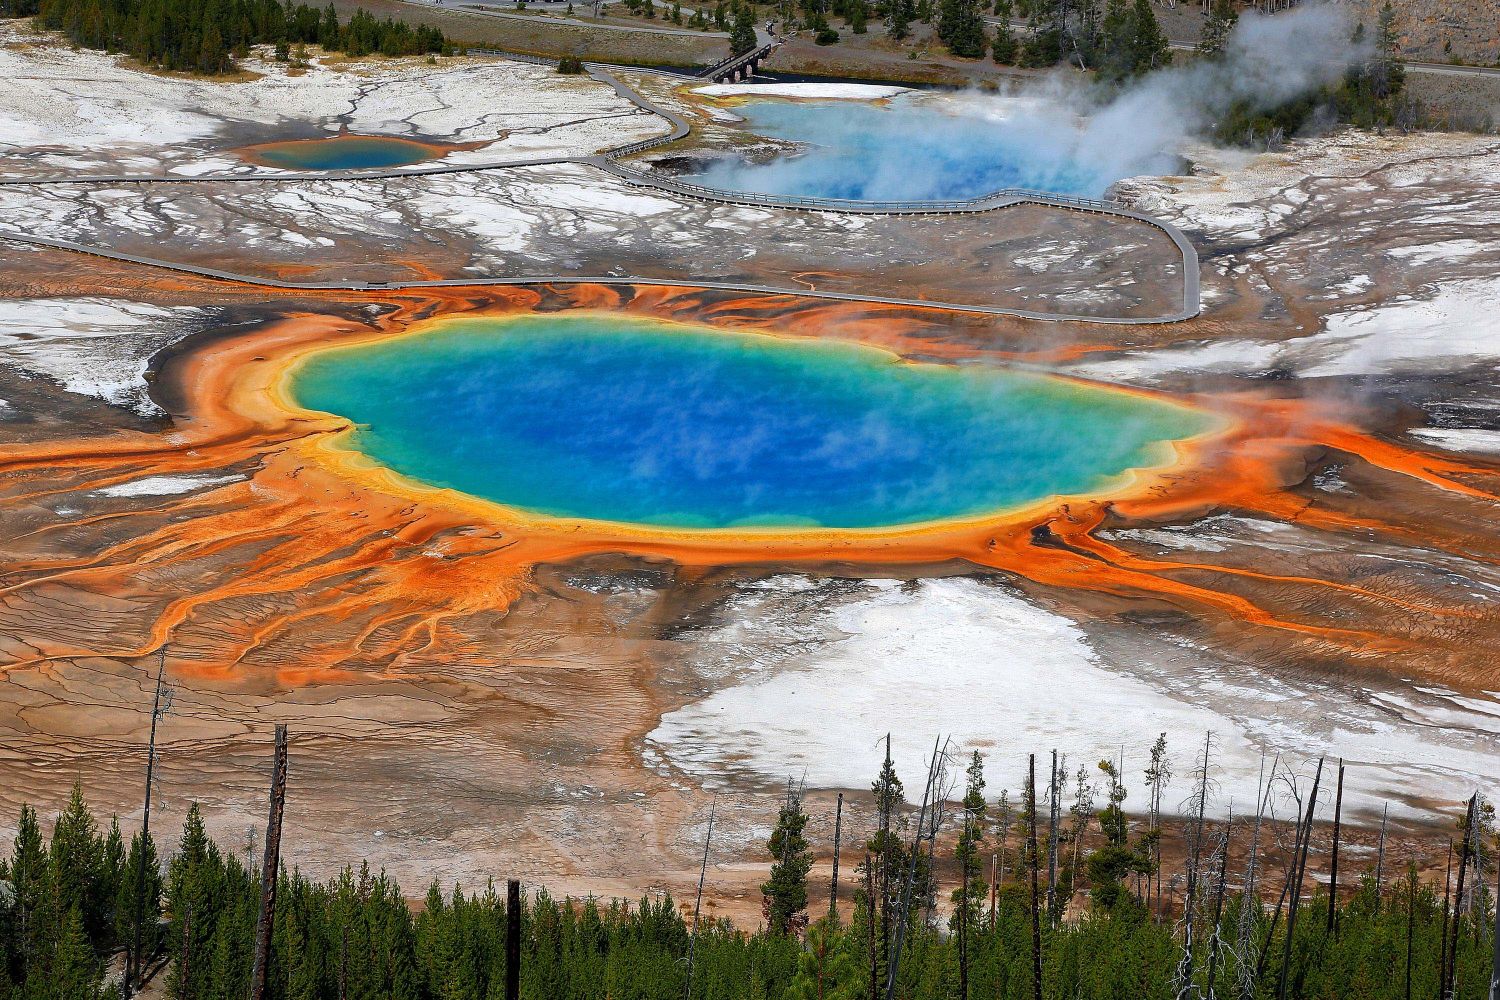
[553, 501]
[604, 418]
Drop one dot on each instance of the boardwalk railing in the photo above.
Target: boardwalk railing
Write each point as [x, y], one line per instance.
[525, 57]
[657, 179]
[640, 147]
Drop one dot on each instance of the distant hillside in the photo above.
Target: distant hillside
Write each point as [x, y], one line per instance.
[1431, 30]
[1439, 30]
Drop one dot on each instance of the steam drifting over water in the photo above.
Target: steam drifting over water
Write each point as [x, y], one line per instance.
[1058, 135]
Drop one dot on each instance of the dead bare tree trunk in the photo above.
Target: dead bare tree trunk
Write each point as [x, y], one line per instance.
[1249, 900]
[513, 939]
[1034, 849]
[1443, 944]
[838, 839]
[934, 820]
[1470, 830]
[1052, 845]
[133, 956]
[270, 867]
[1190, 900]
[1333, 864]
[963, 913]
[1214, 942]
[1385, 814]
[911, 875]
[994, 887]
[1495, 955]
[874, 951]
[708, 838]
[1296, 894]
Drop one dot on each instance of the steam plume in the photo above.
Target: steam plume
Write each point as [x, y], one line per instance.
[1057, 134]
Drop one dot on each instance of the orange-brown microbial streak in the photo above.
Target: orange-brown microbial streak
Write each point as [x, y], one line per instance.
[1434, 470]
[316, 567]
[1070, 558]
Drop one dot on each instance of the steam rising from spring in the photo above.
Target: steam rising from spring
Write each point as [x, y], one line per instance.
[1058, 134]
[1268, 60]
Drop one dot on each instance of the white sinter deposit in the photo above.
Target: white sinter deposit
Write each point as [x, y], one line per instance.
[813, 685]
[64, 110]
[92, 346]
[816, 91]
[1376, 255]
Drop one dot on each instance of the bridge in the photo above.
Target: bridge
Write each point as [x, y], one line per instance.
[740, 67]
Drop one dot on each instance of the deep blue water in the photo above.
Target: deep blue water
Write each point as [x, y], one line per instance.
[601, 417]
[910, 151]
[344, 152]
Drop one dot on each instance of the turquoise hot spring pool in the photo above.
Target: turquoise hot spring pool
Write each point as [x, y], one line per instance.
[601, 417]
[918, 147]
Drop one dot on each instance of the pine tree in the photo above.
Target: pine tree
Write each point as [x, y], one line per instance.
[859, 16]
[29, 881]
[73, 972]
[742, 38]
[328, 29]
[786, 890]
[203, 919]
[1004, 47]
[141, 855]
[961, 28]
[1110, 864]
[111, 873]
[898, 20]
[969, 851]
[1220, 19]
[829, 967]
[76, 862]
[887, 854]
[1115, 58]
[1386, 73]
[1151, 50]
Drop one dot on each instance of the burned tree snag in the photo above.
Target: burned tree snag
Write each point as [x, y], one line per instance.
[1333, 864]
[838, 839]
[270, 866]
[1033, 849]
[513, 939]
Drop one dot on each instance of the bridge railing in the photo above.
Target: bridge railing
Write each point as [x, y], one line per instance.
[735, 62]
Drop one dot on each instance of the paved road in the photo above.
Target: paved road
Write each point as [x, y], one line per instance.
[1190, 303]
[1442, 69]
[570, 21]
[1448, 69]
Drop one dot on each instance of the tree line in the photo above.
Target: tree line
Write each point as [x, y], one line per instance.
[1120, 40]
[208, 36]
[993, 912]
